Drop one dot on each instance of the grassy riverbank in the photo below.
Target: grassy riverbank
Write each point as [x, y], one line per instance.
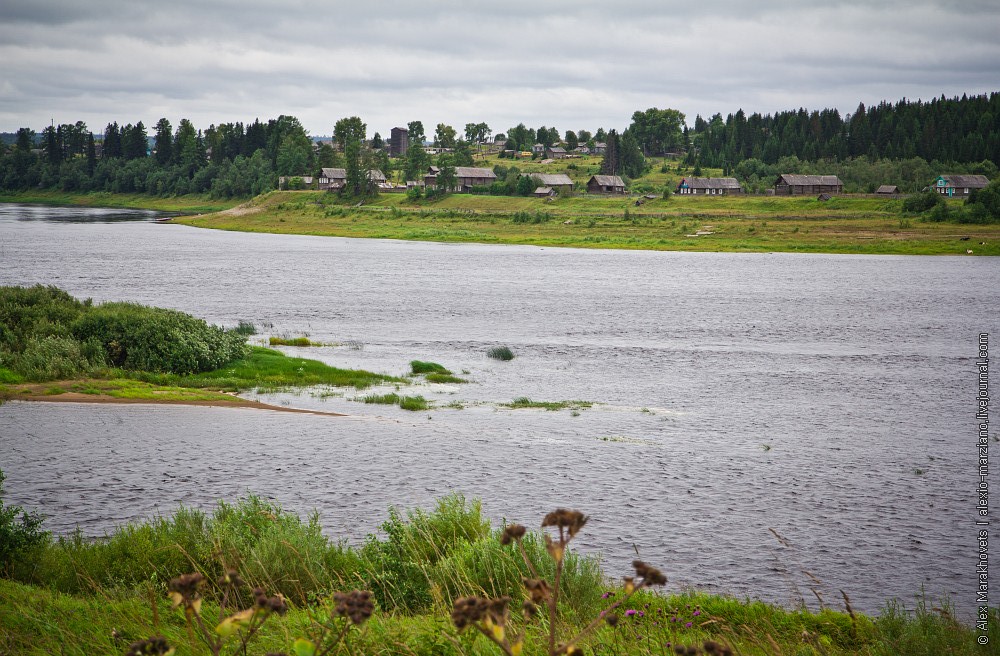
[77, 596]
[56, 347]
[189, 204]
[848, 224]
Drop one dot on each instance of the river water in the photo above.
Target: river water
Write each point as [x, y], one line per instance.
[825, 398]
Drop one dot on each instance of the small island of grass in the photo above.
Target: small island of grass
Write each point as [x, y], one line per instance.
[57, 348]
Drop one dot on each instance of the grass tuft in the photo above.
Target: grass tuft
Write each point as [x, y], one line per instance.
[418, 367]
[500, 353]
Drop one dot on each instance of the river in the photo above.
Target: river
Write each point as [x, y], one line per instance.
[825, 398]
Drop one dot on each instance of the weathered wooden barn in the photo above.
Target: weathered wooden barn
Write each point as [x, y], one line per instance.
[605, 184]
[466, 177]
[560, 182]
[709, 187]
[790, 184]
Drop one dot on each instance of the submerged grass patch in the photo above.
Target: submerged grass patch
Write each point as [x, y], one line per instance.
[525, 402]
[500, 353]
[291, 341]
[384, 399]
[444, 378]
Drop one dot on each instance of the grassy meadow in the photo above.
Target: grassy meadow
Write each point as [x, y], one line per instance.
[72, 595]
[846, 224]
[191, 203]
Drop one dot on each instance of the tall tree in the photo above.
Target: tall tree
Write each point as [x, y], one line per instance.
[658, 130]
[164, 142]
[415, 133]
[350, 133]
[444, 136]
[112, 146]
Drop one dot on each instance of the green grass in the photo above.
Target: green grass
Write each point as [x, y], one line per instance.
[524, 402]
[383, 399]
[189, 204]
[500, 353]
[291, 341]
[78, 596]
[444, 378]
[848, 224]
[418, 367]
[413, 403]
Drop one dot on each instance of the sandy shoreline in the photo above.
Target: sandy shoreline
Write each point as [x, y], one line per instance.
[77, 397]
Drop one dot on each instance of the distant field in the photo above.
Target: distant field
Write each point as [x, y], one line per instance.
[847, 224]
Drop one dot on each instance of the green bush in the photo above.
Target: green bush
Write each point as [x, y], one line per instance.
[54, 358]
[21, 535]
[143, 338]
[918, 203]
[500, 353]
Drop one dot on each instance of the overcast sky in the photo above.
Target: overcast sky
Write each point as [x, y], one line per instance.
[568, 63]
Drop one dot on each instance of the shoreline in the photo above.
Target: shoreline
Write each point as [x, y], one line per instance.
[106, 399]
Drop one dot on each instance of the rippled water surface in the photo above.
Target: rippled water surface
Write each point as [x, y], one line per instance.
[825, 397]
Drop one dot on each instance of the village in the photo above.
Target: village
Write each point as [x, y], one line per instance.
[559, 170]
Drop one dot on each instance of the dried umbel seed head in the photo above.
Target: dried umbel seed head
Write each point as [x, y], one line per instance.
[356, 605]
[231, 579]
[156, 646]
[469, 610]
[612, 620]
[649, 575]
[529, 609]
[511, 533]
[187, 585]
[538, 590]
[275, 604]
[712, 647]
[570, 520]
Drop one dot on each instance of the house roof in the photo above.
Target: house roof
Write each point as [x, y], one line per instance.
[376, 176]
[795, 180]
[552, 179]
[543, 190]
[334, 173]
[975, 181]
[711, 183]
[556, 149]
[887, 189]
[470, 172]
[607, 180]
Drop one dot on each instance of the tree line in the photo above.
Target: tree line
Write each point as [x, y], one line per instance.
[239, 160]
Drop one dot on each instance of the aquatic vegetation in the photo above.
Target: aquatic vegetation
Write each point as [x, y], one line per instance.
[500, 353]
[524, 402]
[291, 341]
[418, 367]
[413, 403]
[384, 399]
[444, 378]
[245, 328]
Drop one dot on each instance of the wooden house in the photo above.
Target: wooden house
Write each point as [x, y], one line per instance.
[332, 179]
[599, 148]
[466, 177]
[559, 182]
[959, 186]
[544, 192]
[709, 187]
[605, 184]
[538, 149]
[555, 152]
[376, 176]
[887, 190]
[790, 184]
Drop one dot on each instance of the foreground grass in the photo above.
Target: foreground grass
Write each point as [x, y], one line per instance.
[193, 203]
[848, 224]
[263, 369]
[76, 596]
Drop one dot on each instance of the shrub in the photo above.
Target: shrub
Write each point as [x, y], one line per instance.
[53, 358]
[143, 338]
[21, 534]
[918, 203]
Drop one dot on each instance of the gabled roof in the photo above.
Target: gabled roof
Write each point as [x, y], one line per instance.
[974, 181]
[552, 179]
[543, 190]
[556, 149]
[376, 176]
[798, 180]
[887, 189]
[711, 183]
[607, 180]
[334, 174]
[470, 172]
